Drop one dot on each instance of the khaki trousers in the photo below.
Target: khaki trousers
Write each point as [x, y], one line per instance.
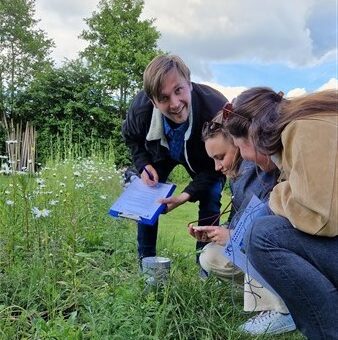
[256, 297]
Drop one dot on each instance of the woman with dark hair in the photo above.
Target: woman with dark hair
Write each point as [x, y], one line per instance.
[295, 248]
[245, 180]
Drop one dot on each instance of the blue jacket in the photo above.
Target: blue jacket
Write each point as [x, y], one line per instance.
[251, 181]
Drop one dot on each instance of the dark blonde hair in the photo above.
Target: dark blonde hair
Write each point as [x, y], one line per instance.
[218, 127]
[157, 69]
[263, 114]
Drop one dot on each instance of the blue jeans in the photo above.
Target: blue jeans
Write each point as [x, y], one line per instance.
[209, 206]
[302, 268]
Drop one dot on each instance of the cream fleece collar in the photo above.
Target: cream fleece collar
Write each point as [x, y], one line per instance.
[156, 130]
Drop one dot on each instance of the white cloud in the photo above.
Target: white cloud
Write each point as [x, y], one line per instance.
[296, 92]
[63, 20]
[298, 33]
[216, 30]
[244, 30]
[331, 84]
[232, 92]
[229, 92]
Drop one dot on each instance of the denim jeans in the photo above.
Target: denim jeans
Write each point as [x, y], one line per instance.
[209, 206]
[302, 268]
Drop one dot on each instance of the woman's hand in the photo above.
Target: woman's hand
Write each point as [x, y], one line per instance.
[198, 234]
[219, 235]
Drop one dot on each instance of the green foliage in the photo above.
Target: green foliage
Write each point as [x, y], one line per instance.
[24, 50]
[69, 107]
[120, 47]
[78, 106]
[179, 175]
[72, 272]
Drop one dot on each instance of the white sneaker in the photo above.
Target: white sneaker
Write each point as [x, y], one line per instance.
[268, 322]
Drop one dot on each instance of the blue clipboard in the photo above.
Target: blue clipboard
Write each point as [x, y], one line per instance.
[234, 249]
[139, 201]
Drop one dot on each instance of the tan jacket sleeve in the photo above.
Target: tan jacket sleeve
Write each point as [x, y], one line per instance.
[307, 197]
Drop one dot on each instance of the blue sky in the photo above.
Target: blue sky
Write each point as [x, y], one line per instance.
[230, 44]
[278, 76]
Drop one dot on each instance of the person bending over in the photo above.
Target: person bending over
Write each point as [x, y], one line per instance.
[245, 180]
[163, 129]
[295, 249]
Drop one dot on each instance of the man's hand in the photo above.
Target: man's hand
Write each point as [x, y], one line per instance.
[174, 201]
[219, 235]
[149, 175]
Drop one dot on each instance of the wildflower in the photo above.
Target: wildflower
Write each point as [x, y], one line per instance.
[40, 181]
[45, 212]
[6, 170]
[40, 213]
[53, 202]
[9, 202]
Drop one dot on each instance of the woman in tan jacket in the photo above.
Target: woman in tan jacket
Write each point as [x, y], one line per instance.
[296, 247]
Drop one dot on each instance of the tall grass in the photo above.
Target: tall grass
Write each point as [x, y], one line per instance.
[63, 147]
[70, 271]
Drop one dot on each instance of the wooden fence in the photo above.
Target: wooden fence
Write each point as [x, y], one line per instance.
[20, 146]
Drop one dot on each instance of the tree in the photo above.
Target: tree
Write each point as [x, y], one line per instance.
[120, 47]
[24, 50]
[68, 103]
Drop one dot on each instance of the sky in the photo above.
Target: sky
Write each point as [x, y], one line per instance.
[231, 45]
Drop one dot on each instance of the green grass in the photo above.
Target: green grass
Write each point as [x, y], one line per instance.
[73, 273]
[173, 226]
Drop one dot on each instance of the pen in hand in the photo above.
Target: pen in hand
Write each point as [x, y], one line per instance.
[150, 175]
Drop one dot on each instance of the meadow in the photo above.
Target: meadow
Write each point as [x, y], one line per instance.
[69, 271]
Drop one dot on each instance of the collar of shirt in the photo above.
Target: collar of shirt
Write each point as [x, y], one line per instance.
[171, 132]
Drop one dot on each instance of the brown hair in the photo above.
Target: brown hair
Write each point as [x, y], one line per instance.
[218, 127]
[263, 114]
[158, 68]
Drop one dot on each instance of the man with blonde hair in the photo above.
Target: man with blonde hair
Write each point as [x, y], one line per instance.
[163, 129]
